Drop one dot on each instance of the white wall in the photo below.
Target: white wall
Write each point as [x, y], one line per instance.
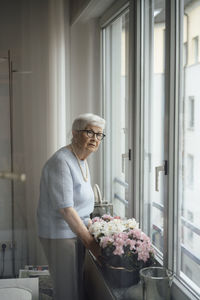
[85, 78]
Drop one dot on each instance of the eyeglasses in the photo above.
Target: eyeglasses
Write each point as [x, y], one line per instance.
[91, 134]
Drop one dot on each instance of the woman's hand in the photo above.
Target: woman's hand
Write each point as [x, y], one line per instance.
[89, 223]
[95, 248]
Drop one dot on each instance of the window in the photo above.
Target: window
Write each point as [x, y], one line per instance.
[190, 170]
[190, 233]
[191, 110]
[153, 122]
[170, 153]
[185, 54]
[116, 103]
[188, 272]
[167, 99]
[189, 155]
[195, 49]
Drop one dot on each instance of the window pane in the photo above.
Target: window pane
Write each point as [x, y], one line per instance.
[191, 110]
[189, 150]
[153, 119]
[116, 112]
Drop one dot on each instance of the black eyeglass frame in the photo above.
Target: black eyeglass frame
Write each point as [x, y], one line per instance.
[100, 134]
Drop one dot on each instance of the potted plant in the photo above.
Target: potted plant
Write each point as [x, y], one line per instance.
[125, 248]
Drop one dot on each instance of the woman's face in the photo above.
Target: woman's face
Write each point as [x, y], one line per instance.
[86, 143]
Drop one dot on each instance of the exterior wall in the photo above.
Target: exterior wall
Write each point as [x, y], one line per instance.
[193, 29]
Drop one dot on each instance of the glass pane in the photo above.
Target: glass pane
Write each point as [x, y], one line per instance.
[116, 112]
[153, 119]
[189, 149]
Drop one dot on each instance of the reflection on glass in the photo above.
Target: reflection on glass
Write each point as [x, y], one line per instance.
[189, 149]
[154, 106]
[116, 112]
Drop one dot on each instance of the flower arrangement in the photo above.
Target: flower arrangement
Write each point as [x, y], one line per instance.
[122, 243]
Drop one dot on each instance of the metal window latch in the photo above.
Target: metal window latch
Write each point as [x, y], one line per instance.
[158, 169]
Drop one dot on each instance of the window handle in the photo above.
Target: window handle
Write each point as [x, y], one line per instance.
[124, 156]
[159, 169]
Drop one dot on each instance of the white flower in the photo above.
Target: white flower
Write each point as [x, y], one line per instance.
[102, 228]
[130, 223]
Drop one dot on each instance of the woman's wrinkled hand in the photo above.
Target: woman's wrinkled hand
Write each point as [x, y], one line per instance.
[89, 223]
[95, 248]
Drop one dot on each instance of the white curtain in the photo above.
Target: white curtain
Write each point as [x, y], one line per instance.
[45, 98]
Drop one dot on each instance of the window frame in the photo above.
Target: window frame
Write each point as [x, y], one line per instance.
[113, 13]
[173, 91]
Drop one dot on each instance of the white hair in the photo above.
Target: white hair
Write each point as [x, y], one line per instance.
[82, 121]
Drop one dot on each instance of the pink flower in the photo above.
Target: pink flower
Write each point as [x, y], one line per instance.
[143, 256]
[119, 242]
[130, 243]
[107, 217]
[144, 237]
[96, 219]
[105, 241]
[118, 251]
[122, 235]
[136, 233]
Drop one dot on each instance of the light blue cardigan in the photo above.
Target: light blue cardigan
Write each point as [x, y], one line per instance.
[62, 185]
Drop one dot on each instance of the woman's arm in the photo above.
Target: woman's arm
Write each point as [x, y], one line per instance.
[72, 218]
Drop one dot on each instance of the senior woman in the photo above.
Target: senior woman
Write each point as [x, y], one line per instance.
[65, 204]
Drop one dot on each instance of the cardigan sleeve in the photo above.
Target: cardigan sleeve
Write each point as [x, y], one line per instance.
[60, 184]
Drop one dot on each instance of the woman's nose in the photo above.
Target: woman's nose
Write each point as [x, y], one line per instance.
[95, 137]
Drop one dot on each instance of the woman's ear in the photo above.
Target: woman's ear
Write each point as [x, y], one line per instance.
[75, 136]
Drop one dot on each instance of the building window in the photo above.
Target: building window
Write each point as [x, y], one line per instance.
[195, 42]
[190, 233]
[191, 111]
[185, 54]
[190, 170]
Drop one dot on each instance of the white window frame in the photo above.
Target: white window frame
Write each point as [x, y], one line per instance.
[174, 54]
[174, 21]
[114, 12]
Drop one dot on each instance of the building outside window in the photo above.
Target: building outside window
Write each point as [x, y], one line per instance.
[189, 151]
[195, 42]
[191, 112]
[185, 53]
[190, 170]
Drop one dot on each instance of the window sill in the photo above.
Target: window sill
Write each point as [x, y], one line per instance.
[181, 292]
[102, 290]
